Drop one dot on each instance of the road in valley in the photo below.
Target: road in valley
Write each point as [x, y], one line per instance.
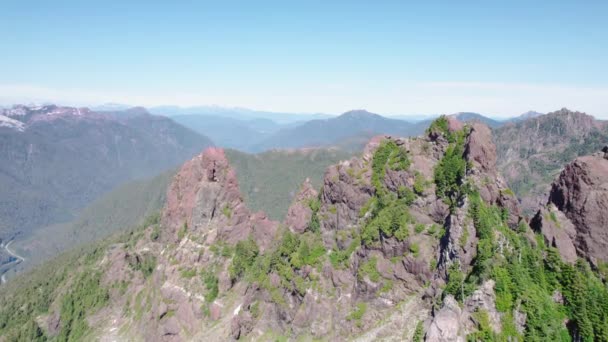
[6, 267]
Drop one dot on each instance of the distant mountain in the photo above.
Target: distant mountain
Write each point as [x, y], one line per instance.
[525, 116]
[533, 151]
[237, 113]
[56, 160]
[331, 131]
[241, 134]
[475, 117]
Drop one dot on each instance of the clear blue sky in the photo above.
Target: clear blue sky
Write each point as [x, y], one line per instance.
[495, 57]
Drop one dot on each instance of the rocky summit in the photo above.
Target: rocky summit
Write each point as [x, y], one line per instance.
[415, 239]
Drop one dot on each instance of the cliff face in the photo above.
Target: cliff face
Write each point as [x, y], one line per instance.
[578, 203]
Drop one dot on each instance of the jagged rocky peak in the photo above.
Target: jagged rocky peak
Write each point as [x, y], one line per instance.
[204, 197]
[576, 216]
[301, 210]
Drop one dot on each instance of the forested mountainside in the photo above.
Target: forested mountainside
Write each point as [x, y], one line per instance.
[56, 160]
[417, 239]
[270, 180]
[124, 207]
[532, 152]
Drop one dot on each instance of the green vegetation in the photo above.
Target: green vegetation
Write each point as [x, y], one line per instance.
[314, 225]
[292, 253]
[449, 173]
[419, 332]
[527, 274]
[339, 258]
[145, 263]
[415, 249]
[388, 155]
[419, 183]
[72, 280]
[118, 210]
[211, 284]
[370, 270]
[439, 125]
[406, 195]
[358, 313]
[85, 295]
[182, 231]
[188, 273]
[392, 220]
[245, 254]
[455, 285]
[227, 212]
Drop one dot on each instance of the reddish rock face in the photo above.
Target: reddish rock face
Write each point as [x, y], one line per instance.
[454, 124]
[480, 149]
[581, 193]
[557, 230]
[299, 213]
[204, 197]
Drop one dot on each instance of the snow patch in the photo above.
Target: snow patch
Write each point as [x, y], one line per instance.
[5, 121]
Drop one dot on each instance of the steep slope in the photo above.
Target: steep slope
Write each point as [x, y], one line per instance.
[381, 251]
[330, 131]
[122, 208]
[59, 159]
[532, 152]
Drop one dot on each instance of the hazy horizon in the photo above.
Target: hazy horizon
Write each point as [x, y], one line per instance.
[391, 58]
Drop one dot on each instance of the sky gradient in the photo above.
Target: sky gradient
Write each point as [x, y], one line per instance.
[499, 59]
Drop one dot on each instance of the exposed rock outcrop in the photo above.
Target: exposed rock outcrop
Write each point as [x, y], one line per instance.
[557, 230]
[299, 213]
[480, 151]
[580, 193]
[204, 197]
[453, 322]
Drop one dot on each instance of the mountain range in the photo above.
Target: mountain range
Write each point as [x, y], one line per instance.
[532, 151]
[414, 239]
